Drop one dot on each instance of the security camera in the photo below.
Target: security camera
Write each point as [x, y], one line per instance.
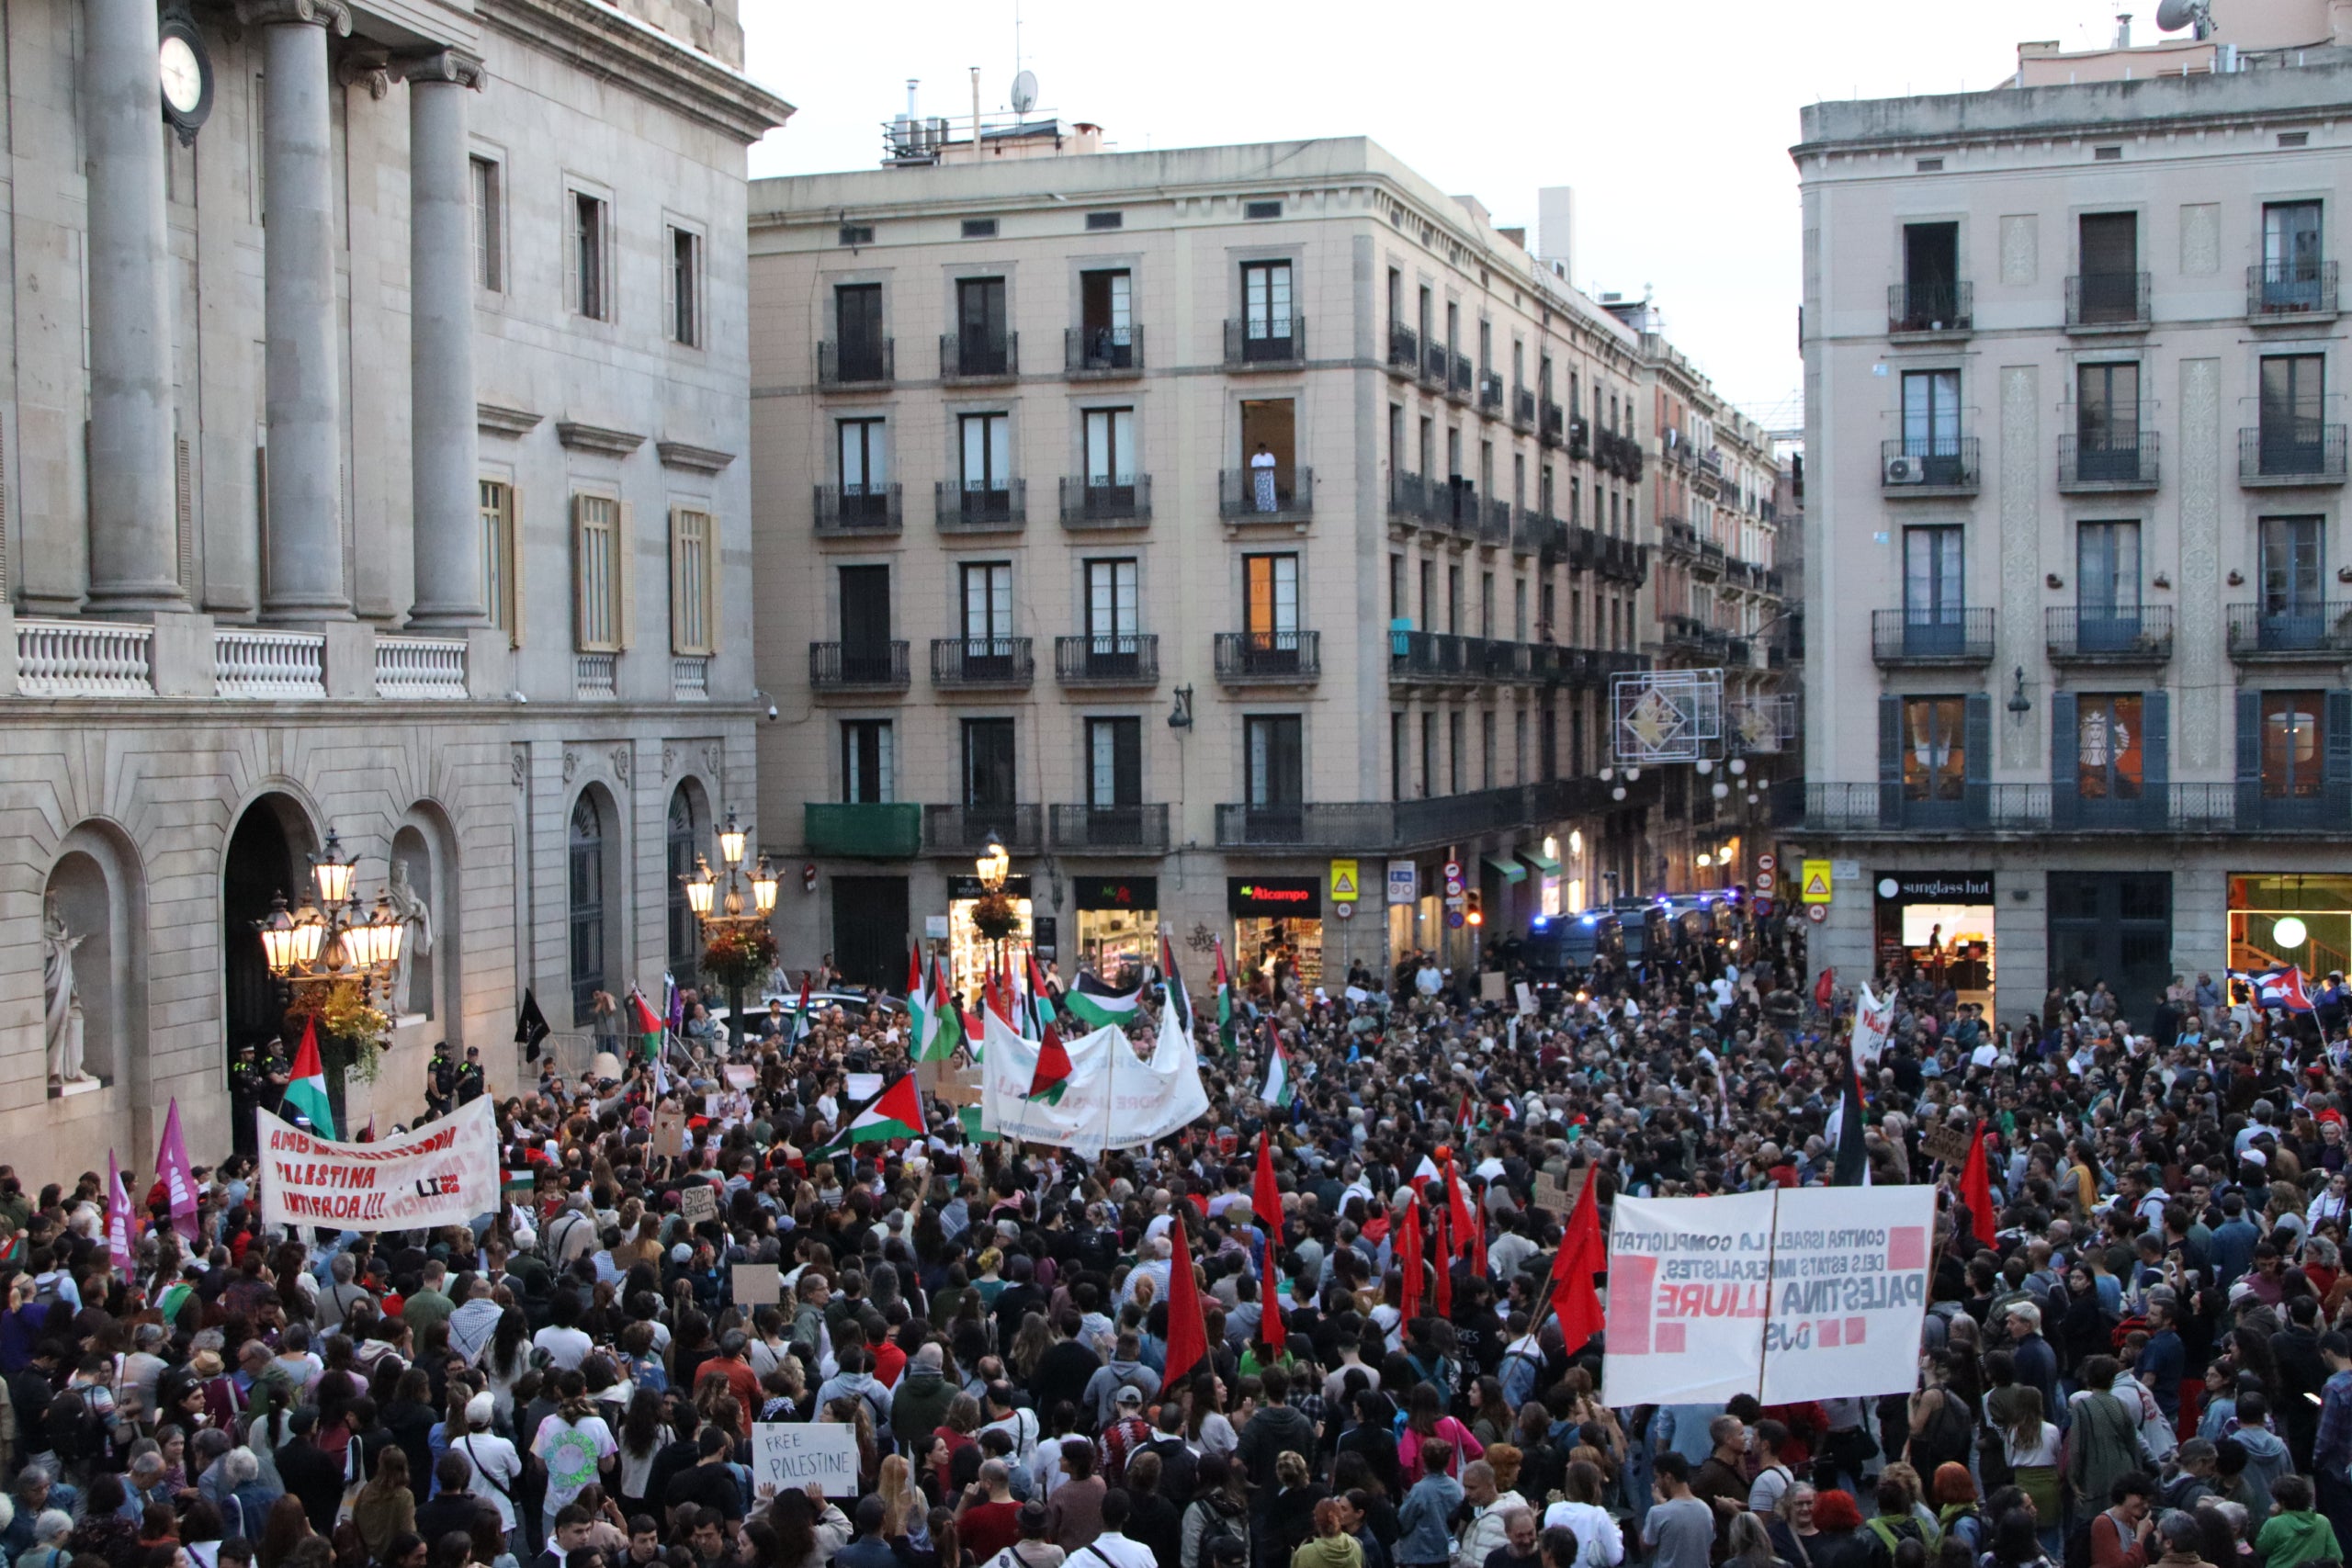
[771, 712]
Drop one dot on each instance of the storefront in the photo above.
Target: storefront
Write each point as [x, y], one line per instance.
[1940, 924]
[1277, 919]
[1550, 897]
[1118, 923]
[2304, 920]
[967, 950]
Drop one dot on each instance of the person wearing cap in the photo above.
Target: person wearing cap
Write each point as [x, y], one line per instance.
[1125, 1371]
[497, 1468]
[1124, 1434]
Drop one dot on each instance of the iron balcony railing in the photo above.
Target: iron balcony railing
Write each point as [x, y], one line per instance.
[974, 506]
[863, 666]
[1522, 408]
[2291, 627]
[2120, 634]
[1435, 356]
[1930, 308]
[1494, 523]
[1244, 657]
[857, 508]
[1107, 658]
[1086, 502]
[1283, 499]
[2302, 287]
[1404, 350]
[979, 356]
[2107, 300]
[963, 830]
[981, 661]
[1377, 825]
[1457, 506]
[1978, 807]
[1930, 636]
[1097, 351]
[1462, 380]
[1552, 423]
[1490, 392]
[1531, 533]
[1111, 829]
[2115, 462]
[857, 362]
[1579, 438]
[1927, 465]
[1409, 497]
[2290, 452]
[1272, 344]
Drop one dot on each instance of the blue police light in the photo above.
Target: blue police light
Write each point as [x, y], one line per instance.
[1541, 922]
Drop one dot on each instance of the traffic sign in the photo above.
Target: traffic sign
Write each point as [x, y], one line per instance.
[1763, 908]
[1454, 919]
[1814, 883]
[1766, 863]
[1343, 881]
[1454, 871]
[1817, 913]
[1454, 884]
[1345, 911]
[1764, 880]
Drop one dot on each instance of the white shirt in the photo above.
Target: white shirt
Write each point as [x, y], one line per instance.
[1119, 1551]
[566, 1347]
[493, 1457]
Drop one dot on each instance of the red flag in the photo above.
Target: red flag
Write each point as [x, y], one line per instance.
[1266, 1198]
[1444, 1263]
[1478, 1239]
[1270, 1331]
[1188, 1329]
[1824, 987]
[1408, 1259]
[1977, 1191]
[803, 1021]
[1574, 1301]
[646, 1020]
[1457, 1212]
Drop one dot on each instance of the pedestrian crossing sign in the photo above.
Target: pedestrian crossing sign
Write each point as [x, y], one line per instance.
[1343, 881]
[1815, 882]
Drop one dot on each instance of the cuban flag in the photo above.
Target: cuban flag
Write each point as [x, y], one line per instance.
[2276, 988]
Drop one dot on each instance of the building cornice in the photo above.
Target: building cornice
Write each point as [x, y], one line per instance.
[604, 42]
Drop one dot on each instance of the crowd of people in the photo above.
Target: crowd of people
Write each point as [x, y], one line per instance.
[2134, 1362]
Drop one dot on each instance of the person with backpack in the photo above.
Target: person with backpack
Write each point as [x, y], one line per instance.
[1894, 1524]
[1219, 1510]
[2102, 1435]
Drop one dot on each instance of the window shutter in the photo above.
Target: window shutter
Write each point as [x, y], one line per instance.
[2066, 760]
[679, 585]
[710, 617]
[625, 577]
[2156, 761]
[1976, 806]
[2249, 761]
[670, 283]
[569, 218]
[2335, 758]
[1889, 761]
[514, 594]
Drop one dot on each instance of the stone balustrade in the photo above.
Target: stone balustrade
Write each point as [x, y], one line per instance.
[269, 665]
[85, 658]
[421, 668]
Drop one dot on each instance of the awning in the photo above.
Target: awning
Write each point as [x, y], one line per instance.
[1507, 868]
[1540, 862]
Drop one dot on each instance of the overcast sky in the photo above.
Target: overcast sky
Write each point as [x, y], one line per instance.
[1671, 120]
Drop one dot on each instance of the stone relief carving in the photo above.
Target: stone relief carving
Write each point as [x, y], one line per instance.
[669, 760]
[2201, 239]
[518, 762]
[2020, 249]
[622, 758]
[571, 763]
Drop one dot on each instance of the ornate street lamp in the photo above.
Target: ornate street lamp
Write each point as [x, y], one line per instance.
[734, 913]
[993, 915]
[336, 941]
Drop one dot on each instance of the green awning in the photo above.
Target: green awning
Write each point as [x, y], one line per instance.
[1507, 868]
[1540, 862]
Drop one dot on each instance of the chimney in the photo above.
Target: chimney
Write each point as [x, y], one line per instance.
[2123, 29]
[1554, 217]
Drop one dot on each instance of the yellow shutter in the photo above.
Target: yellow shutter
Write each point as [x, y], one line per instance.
[582, 592]
[625, 575]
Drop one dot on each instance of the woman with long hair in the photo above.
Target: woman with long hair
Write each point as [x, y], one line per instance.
[574, 1444]
[1029, 1347]
[385, 1506]
[506, 1358]
[1750, 1543]
[903, 1504]
[643, 1433]
[1219, 1509]
[286, 1528]
[855, 1412]
[2030, 1444]
[1425, 1418]
[1582, 1508]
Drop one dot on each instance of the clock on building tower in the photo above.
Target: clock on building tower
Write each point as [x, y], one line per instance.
[184, 69]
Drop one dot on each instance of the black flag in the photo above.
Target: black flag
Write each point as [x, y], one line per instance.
[531, 1026]
[1853, 1166]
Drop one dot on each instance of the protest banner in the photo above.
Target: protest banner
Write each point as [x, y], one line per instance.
[740, 1075]
[444, 1173]
[787, 1456]
[698, 1203]
[1812, 1293]
[1947, 1143]
[758, 1284]
[1874, 1018]
[669, 1130]
[1110, 1099]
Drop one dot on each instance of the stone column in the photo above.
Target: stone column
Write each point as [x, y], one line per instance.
[134, 544]
[446, 523]
[305, 564]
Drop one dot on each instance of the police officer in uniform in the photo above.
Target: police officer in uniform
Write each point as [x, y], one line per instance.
[470, 1084]
[440, 1080]
[245, 1086]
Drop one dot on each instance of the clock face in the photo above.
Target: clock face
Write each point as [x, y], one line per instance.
[183, 74]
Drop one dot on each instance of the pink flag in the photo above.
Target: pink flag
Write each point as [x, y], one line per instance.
[179, 1182]
[117, 1217]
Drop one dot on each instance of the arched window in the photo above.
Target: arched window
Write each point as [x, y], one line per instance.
[587, 910]
[686, 932]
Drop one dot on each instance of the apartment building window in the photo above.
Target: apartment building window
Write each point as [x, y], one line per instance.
[1454, 452]
[1935, 749]
[1113, 761]
[2110, 279]
[1397, 588]
[1275, 757]
[987, 612]
[2292, 751]
[1546, 602]
[862, 450]
[1427, 318]
[591, 236]
[867, 762]
[693, 582]
[585, 864]
[988, 762]
[500, 594]
[1266, 309]
[1453, 327]
[867, 655]
[1930, 278]
[1518, 608]
[1427, 618]
[1518, 363]
[987, 447]
[490, 272]
[1519, 746]
[857, 323]
[1113, 598]
[1547, 741]
[602, 580]
[1486, 747]
[1576, 497]
[1396, 297]
[1429, 445]
[1270, 604]
[1453, 749]
[1452, 598]
[2107, 420]
[1111, 452]
[2106, 585]
[982, 347]
[1519, 480]
[1270, 428]
[1486, 347]
[1107, 319]
[1487, 604]
[1931, 423]
[2109, 762]
[1400, 765]
[2292, 254]
[686, 287]
[1934, 590]
[1429, 754]
[2290, 551]
[2293, 396]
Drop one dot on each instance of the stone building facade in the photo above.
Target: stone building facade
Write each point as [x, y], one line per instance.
[374, 465]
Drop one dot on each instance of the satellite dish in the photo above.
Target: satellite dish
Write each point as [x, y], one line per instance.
[2174, 15]
[1025, 87]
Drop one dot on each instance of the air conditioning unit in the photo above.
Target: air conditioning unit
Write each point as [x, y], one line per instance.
[1906, 470]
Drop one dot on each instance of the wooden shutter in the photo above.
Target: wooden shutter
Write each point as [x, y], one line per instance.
[680, 588]
[1977, 779]
[583, 587]
[2249, 761]
[1889, 761]
[514, 594]
[710, 619]
[2066, 760]
[2155, 759]
[569, 218]
[625, 576]
[670, 282]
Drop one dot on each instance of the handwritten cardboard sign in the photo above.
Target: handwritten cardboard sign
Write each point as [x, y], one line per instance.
[1558, 1194]
[1949, 1143]
[739, 1075]
[698, 1203]
[669, 1129]
[786, 1457]
[758, 1284]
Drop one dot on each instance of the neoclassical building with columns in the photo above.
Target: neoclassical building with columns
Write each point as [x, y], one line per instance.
[373, 462]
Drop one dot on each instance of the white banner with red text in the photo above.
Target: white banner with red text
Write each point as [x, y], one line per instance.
[444, 1173]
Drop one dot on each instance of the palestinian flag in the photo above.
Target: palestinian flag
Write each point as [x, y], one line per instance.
[947, 1019]
[973, 1131]
[1037, 1014]
[1226, 1036]
[1281, 1088]
[1177, 996]
[896, 1113]
[647, 1024]
[307, 1095]
[1096, 1005]
[800, 1021]
[920, 1012]
[1052, 1076]
[517, 1185]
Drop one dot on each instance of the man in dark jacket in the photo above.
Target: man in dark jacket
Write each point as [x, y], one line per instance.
[452, 1507]
[1276, 1430]
[309, 1472]
[1065, 1370]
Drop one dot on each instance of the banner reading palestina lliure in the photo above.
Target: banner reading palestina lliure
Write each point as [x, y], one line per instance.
[444, 1173]
[1812, 1293]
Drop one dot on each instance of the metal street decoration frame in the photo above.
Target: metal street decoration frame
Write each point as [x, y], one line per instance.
[1665, 715]
[1761, 725]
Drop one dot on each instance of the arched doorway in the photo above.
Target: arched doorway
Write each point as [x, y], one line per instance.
[688, 831]
[590, 859]
[259, 866]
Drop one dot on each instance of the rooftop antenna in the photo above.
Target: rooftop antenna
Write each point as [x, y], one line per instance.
[1024, 92]
[2174, 15]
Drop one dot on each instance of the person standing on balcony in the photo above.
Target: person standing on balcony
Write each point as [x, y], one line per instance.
[1261, 479]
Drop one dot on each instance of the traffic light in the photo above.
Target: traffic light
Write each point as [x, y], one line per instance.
[1472, 910]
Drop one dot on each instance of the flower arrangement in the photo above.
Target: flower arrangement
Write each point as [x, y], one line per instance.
[352, 1029]
[994, 917]
[740, 954]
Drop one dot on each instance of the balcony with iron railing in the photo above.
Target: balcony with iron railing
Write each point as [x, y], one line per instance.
[1461, 382]
[857, 511]
[1930, 310]
[1927, 465]
[1404, 350]
[1931, 637]
[1384, 824]
[1408, 497]
[975, 356]
[1678, 538]
[2290, 452]
[1107, 658]
[1269, 658]
[1522, 409]
[1111, 829]
[858, 667]
[857, 362]
[2090, 465]
[2108, 634]
[2290, 628]
[1579, 438]
[2107, 303]
[1455, 505]
[1551, 422]
[999, 662]
[1494, 525]
[2298, 291]
[1527, 531]
[966, 830]
[1101, 353]
[1281, 498]
[1435, 357]
[976, 506]
[1271, 343]
[1491, 394]
[1106, 504]
[1980, 807]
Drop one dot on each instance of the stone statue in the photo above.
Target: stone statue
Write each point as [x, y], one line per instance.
[410, 907]
[61, 1003]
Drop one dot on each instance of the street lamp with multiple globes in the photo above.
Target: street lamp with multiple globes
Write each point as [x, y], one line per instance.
[313, 950]
[993, 917]
[723, 908]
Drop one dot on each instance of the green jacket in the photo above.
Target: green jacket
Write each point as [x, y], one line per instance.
[2102, 1445]
[2288, 1541]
